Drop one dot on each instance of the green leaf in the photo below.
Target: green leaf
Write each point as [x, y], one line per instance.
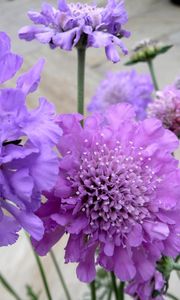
[31, 294]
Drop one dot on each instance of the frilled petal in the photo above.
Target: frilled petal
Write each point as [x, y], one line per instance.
[44, 17]
[49, 239]
[99, 39]
[144, 265]
[135, 236]
[5, 44]
[124, 268]
[172, 244]
[9, 228]
[13, 113]
[29, 221]
[109, 248]
[30, 32]
[63, 6]
[73, 249]
[44, 37]
[112, 53]
[66, 40]
[13, 153]
[63, 189]
[118, 114]
[9, 65]
[168, 190]
[86, 271]
[77, 225]
[41, 127]
[29, 81]
[61, 218]
[156, 230]
[44, 169]
[22, 183]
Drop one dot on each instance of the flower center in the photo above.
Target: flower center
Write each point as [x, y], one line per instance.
[90, 13]
[115, 188]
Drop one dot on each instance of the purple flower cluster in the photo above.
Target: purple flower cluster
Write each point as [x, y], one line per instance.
[117, 195]
[79, 24]
[28, 165]
[166, 107]
[122, 87]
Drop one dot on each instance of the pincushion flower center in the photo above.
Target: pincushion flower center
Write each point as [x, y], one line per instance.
[114, 187]
[90, 14]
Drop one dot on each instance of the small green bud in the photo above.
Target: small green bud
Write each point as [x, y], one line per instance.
[165, 266]
[147, 50]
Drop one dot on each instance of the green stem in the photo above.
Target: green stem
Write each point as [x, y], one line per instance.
[176, 267]
[60, 275]
[93, 290]
[177, 258]
[9, 287]
[81, 78]
[121, 290]
[151, 69]
[171, 296]
[110, 294]
[43, 276]
[114, 285]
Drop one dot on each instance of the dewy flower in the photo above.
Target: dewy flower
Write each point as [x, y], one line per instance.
[79, 24]
[152, 289]
[166, 107]
[120, 87]
[146, 50]
[10, 63]
[117, 195]
[28, 164]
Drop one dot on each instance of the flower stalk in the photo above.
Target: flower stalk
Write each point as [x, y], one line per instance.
[169, 295]
[9, 288]
[43, 276]
[114, 284]
[176, 267]
[60, 275]
[93, 290]
[81, 78]
[121, 290]
[153, 76]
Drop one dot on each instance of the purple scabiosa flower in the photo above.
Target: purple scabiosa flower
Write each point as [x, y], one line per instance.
[10, 63]
[120, 87]
[117, 194]
[28, 163]
[77, 24]
[152, 289]
[166, 107]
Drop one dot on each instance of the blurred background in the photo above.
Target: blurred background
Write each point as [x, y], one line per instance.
[158, 19]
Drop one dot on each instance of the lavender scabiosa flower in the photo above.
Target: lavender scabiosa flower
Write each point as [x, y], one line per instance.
[117, 194]
[77, 24]
[147, 290]
[121, 87]
[10, 63]
[166, 107]
[28, 164]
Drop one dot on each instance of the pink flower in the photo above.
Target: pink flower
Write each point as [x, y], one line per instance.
[166, 107]
[117, 195]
